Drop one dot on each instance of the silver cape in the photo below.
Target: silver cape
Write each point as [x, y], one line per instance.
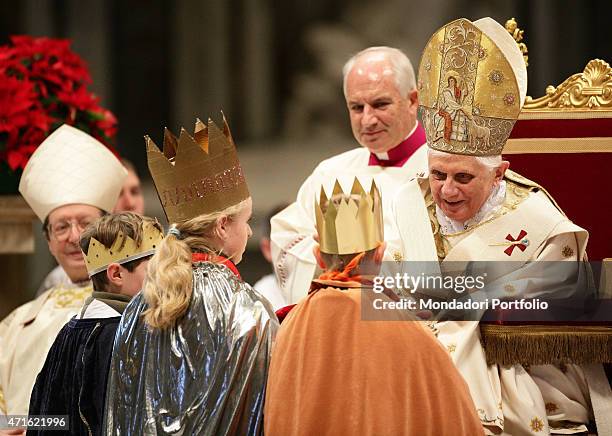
[206, 375]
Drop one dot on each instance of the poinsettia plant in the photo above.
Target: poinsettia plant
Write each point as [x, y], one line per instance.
[43, 84]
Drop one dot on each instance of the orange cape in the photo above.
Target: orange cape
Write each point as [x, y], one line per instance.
[332, 373]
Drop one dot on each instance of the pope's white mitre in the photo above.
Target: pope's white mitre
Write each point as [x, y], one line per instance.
[71, 167]
[506, 43]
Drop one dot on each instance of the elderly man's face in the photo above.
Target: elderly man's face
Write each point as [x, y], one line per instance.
[380, 116]
[66, 223]
[131, 198]
[460, 184]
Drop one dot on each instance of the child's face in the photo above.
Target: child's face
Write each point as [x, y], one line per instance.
[238, 233]
[132, 281]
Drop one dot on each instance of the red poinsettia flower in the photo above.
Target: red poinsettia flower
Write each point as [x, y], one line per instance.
[43, 85]
[32, 136]
[16, 99]
[40, 120]
[18, 158]
[79, 99]
[107, 123]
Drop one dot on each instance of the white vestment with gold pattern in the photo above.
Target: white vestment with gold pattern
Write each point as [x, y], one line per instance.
[294, 227]
[26, 335]
[510, 399]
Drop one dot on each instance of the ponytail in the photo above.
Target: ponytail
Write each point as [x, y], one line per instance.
[168, 285]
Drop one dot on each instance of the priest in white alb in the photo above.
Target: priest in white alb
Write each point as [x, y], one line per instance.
[382, 100]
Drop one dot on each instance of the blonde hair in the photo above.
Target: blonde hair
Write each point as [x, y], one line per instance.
[169, 281]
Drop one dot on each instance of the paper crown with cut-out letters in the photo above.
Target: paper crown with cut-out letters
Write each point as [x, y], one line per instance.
[197, 175]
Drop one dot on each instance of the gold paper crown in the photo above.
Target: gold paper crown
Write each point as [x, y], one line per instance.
[123, 250]
[351, 223]
[468, 91]
[197, 175]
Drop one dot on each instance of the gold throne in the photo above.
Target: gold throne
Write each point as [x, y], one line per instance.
[563, 141]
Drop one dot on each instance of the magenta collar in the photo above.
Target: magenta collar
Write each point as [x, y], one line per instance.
[399, 154]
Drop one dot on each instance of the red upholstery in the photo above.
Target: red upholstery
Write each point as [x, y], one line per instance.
[580, 182]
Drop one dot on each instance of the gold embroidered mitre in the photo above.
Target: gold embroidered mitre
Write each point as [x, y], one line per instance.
[352, 223]
[123, 250]
[197, 175]
[472, 85]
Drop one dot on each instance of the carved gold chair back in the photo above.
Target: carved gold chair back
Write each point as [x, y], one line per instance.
[563, 140]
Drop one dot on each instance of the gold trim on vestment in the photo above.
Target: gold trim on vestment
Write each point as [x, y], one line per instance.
[515, 195]
[70, 297]
[442, 244]
[525, 182]
[2, 402]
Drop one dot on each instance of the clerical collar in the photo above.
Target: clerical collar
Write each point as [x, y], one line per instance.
[491, 206]
[398, 155]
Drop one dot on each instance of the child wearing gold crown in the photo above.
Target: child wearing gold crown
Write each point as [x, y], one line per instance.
[72, 382]
[192, 351]
[338, 367]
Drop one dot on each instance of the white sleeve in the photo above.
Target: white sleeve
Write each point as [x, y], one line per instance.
[5, 327]
[292, 232]
[9, 333]
[56, 277]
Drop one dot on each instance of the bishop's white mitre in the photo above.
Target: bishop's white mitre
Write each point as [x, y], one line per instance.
[71, 167]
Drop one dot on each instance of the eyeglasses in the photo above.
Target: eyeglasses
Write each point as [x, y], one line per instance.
[61, 230]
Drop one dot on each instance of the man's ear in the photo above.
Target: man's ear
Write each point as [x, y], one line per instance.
[379, 254]
[317, 254]
[414, 97]
[113, 274]
[501, 170]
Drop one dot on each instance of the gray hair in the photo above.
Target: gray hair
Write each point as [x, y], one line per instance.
[401, 65]
[490, 162]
